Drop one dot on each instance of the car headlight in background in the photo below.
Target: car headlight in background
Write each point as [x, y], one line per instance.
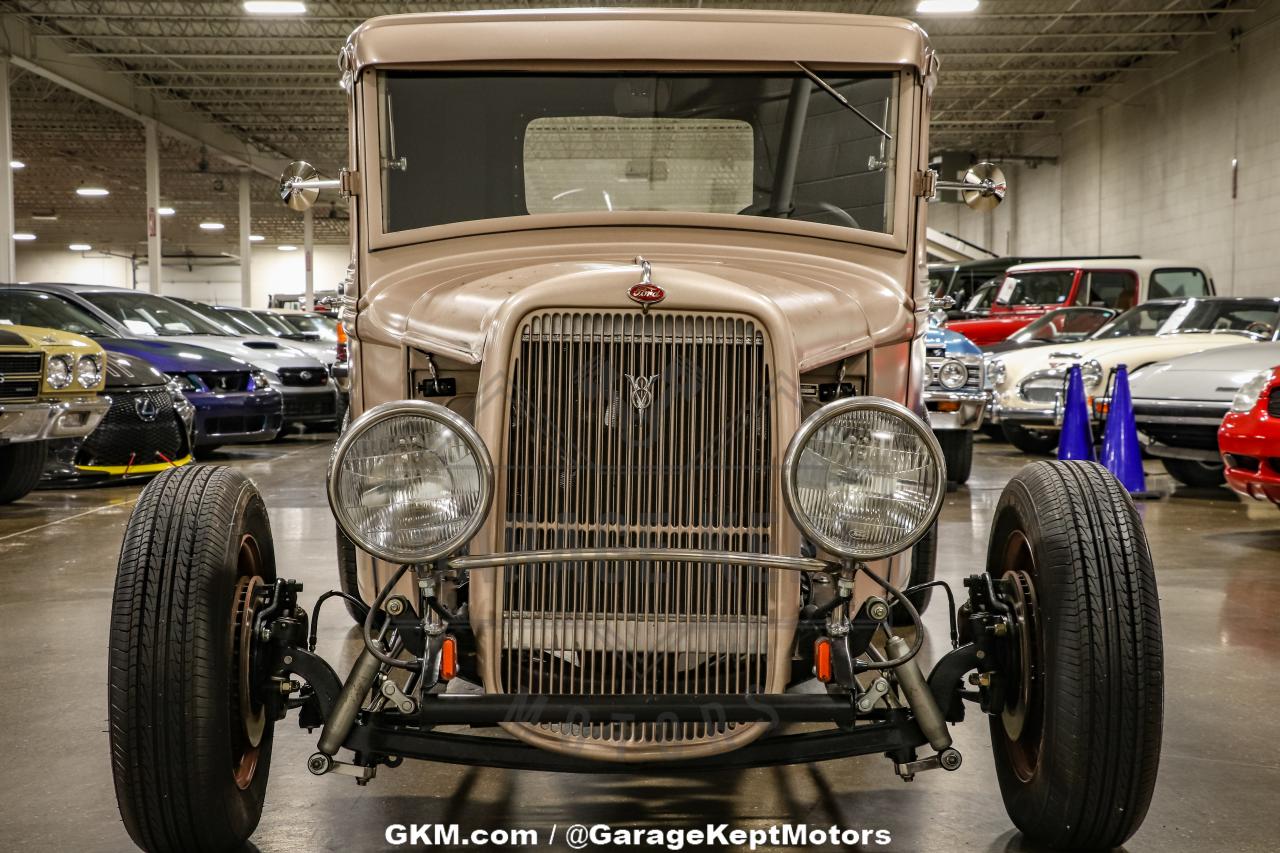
[260, 380]
[410, 481]
[1247, 396]
[952, 374]
[58, 371]
[996, 371]
[864, 478]
[88, 371]
[1091, 372]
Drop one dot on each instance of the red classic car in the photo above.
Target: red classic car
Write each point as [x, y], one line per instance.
[1249, 438]
[1028, 291]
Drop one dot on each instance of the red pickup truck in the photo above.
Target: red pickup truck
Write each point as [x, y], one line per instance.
[1028, 291]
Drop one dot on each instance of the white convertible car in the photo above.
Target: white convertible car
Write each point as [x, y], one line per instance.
[1029, 385]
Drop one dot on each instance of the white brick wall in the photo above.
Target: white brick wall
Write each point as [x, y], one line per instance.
[1146, 168]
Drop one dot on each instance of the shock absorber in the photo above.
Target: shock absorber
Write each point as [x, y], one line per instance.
[928, 715]
[338, 726]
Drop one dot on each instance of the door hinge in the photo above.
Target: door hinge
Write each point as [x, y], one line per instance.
[349, 182]
[925, 184]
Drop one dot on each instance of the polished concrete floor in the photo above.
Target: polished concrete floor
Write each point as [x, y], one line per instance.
[1218, 563]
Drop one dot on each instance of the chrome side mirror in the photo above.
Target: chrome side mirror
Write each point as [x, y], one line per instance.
[982, 188]
[300, 185]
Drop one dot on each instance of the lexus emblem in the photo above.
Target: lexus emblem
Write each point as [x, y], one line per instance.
[146, 408]
[641, 390]
[646, 292]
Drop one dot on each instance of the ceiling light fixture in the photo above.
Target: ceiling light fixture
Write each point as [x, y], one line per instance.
[44, 215]
[24, 236]
[165, 211]
[945, 7]
[17, 164]
[92, 192]
[80, 247]
[211, 226]
[275, 7]
[287, 248]
[256, 238]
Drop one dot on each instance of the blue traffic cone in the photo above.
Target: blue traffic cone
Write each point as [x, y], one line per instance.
[1121, 453]
[1076, 441]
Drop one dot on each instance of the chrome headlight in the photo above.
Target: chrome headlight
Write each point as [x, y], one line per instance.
[953, 374]
[1091, 372]
[1249, 392]
[410, 481]
[58, 371]
[88, 371]
[997, 372]
[864, 478]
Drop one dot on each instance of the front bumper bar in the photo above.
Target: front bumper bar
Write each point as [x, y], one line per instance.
[966, 408]
[1039, 414]
[44, 419]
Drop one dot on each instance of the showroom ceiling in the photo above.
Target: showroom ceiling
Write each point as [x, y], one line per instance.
[1007, 71]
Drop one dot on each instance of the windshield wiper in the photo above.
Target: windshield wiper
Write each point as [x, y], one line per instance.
[831, 90]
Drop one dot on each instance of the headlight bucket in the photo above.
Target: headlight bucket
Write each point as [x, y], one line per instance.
[1091, 372]
[953, 374]
[1247, 395]
[88, 371]
[864, 478]
[410, 481]
[57, 372]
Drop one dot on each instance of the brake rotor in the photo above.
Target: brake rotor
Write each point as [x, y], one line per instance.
[1024, 672]
[245, 707]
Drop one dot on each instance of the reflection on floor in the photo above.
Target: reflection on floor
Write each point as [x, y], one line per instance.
[1218, 563]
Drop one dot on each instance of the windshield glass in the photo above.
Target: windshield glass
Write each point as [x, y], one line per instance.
[1050, 287]
[274, 324]
[325, 327]
[148, 314]
[763, 144]
[1256, 318]
[1064, 324]
[246, 322]
[213, 315]
[27, 308]
[1147, 319]
[982, 299]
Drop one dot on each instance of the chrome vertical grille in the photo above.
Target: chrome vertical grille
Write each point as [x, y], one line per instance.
[637, 430]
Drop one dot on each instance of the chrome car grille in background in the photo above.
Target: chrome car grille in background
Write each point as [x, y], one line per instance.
[1042, 389]
[637, 430]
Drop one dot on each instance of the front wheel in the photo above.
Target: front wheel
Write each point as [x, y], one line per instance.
[957, 452]
[1077, 739]
[1194, 473]
[22, 464]
[190, 739]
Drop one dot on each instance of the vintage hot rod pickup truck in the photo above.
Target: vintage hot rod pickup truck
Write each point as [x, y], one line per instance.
[637, 444]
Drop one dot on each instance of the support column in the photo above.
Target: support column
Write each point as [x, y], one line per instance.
[8, 266]
[155, 256]
[246, 228]
[308, 251]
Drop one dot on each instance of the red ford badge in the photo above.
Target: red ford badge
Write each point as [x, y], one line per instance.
[646, 293]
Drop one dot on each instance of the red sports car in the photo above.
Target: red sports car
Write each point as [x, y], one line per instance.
[1249, 438]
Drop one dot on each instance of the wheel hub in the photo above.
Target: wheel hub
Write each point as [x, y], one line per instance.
[248, 716]
[1022, 674]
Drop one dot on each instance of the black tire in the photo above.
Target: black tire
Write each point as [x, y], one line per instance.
[957, 450]
[187, 775]
[1077, 757]
[1193, 472]
[1038, 442]
[924, 562]
[23, 463]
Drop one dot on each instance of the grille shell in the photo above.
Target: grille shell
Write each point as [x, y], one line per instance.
[586, 467]
[123, 435]
[23, 374]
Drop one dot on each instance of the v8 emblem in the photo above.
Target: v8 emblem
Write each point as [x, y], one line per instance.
[641, 390]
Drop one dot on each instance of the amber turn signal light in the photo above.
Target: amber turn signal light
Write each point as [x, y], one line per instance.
[448, 659]
[822, 660]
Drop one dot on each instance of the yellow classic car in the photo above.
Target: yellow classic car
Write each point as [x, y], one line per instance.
[50, 387]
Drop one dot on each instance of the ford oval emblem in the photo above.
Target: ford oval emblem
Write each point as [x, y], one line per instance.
[646, 293]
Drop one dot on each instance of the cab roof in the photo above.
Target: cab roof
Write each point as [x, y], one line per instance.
[1142, 266]
[639, 35]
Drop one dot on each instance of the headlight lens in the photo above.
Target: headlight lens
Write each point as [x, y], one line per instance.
[260, 380]
[410, 481]
[952, 374]
[1091, 372]
[1249, 392]
[864, 478]
[88, 371]
[997, 371]
[58, 371]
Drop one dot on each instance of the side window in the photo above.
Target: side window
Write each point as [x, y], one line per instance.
[1178, 282]
[1113, 289]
